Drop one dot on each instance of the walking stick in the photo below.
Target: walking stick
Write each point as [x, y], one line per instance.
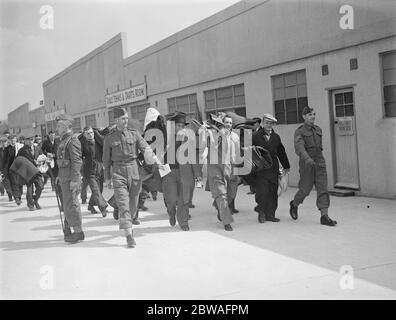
[59, 206]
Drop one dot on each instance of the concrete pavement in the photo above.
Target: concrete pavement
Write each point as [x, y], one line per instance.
[288, 260]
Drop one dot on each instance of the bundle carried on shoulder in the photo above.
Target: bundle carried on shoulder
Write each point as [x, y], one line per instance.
[24, 169]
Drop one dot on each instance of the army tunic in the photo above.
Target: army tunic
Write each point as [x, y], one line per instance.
[69, 163]
[120, 151]
[308, 145]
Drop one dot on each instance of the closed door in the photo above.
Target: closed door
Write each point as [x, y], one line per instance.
[347, 171]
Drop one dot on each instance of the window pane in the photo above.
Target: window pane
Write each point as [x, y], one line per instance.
[224, 102]
[279, 106]
[291, 105]
[193, 98]
[172, 109]
[210, 104]
[279, 94]
[171, 102]
[390, 93]
[209, 99]
[389, 60]
[348, 97]
[390, 109]
[224, 93]
[290, 79]
[301, 79]
[302, 90]
[181, 101]
[339, 111]
[302, 103]
[389, 77]
[278, 81]
[239, 100]
[239, 90]
[280, 117]
[291, 117]
[209, 95]
[349, 110]
[339, 99]
[291, 92]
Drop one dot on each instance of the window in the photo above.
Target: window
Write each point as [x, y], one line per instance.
[230, 98]
[290, 96]
[344, 104]
[389, 83]
[186, 104]
[77, 124]
[138, 112]
[90, 121]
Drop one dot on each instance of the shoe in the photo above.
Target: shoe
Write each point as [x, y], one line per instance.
[38, 207]
[18, 201]
[172, 221]
[131, 243]
[185, 228]
[191, 206]
[293, 211]
[143, 208]
[92, 209]
[261, 218]
[233, 210]
[325, 220]
[136, 221]
[10, 199]
[232, 207]
[228, 227]
[75, 237]
[66, 233]
[31, 208]
[104, 212]
[272, 219]
[115, 214]
[189, 217]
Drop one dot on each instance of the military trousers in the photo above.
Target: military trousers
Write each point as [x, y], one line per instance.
[223, 189]
[126, 192]
[71, 205]
[176, 196]
[313, 175]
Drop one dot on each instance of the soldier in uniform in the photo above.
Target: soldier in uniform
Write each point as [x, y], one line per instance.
[120, 152]
[308, 146]
[177, 185]
[69, 178]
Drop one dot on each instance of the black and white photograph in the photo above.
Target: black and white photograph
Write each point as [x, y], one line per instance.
[206, 154]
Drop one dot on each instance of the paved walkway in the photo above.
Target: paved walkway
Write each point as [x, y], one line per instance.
[287, 260]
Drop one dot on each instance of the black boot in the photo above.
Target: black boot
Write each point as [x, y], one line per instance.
[293, 211]
[325, 220]
[92, 209]
[115, 214]
[228, 227]
[75, 237]
[232, 207]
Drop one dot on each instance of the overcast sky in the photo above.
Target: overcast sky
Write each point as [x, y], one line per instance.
[30, 55]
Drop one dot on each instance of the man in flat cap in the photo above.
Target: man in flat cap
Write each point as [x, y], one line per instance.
[308, 146]
[68, 158]
[29, 152]
[267, 179]
[177, 185]
[120, 152]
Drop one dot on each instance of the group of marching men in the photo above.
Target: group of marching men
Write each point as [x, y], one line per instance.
[122, 158]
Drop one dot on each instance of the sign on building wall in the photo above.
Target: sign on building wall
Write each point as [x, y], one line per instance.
[129, 95]
[52, 115]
